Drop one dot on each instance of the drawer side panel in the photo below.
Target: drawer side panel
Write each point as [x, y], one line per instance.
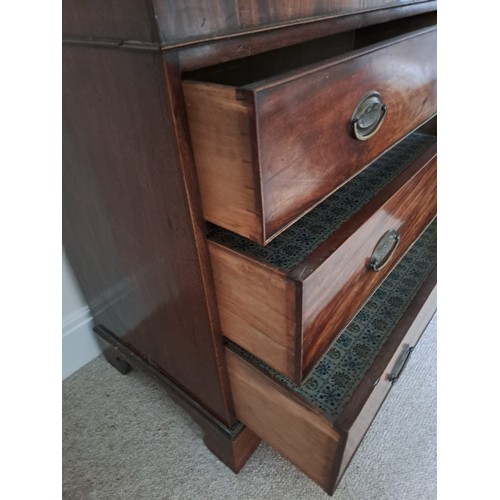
[297, 432]
[256, 307]
[220, 136]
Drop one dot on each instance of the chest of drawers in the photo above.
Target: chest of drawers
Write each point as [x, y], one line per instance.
[249, 195]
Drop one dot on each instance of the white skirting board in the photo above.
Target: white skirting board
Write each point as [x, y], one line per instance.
[79, 343]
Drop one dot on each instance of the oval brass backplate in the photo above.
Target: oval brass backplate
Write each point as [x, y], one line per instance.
[384, 250]
[368, 116]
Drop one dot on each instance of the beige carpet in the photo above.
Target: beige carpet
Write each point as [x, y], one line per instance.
[123, 438]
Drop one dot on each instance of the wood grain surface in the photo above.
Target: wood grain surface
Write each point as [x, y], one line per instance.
[256, 307]
[320, 448]
[289, 319]
[192, 20]
[299, 433]
[224, 49]
[232, 445]
[128, 227]
[112, 19]
[365, 403]
[298, 146]
[340, 285]
[232, 452]
[132, 220]
[222, 151]
[230, 26]
[307, 115]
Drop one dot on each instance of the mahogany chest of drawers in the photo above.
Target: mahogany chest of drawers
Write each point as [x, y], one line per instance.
[249, 203]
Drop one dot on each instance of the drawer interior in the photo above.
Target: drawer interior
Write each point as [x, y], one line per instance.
[266, 65]
[318, 426]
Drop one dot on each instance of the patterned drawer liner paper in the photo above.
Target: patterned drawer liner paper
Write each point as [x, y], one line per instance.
[292, 246]
[334, 380]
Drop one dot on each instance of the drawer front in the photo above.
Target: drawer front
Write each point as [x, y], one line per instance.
[267, 152]
[289, 318]
[307, 145]
[364, 252]
[359, 414]
[318, 447]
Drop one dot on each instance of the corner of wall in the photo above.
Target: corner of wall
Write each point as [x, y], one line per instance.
[79, 344]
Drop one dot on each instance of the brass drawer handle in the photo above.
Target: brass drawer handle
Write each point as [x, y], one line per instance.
[368, 116]
[384, 250]
[401, 364]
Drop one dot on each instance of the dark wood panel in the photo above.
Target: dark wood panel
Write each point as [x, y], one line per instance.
[117, 19]
[320, 448]
[233, 445]
[235, 452]
[344, 281]
[230, 48]
[293, 145]
[288, 319]
[192, 20]
[173, 23]
[309, 118]
[128, 224]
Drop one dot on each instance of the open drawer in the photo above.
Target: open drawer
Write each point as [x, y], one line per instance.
[287, 302]
[276, 133]
[319, 425]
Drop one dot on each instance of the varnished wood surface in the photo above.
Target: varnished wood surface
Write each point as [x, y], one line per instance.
[132, 222]
[323, 449]
[339, 285]
[308, 116]
[297, 432]
[232, 445]
[220, 135]
[256, 307]
[111, 19]
[232, 452]
[289, 320]
[196, 19]
[370, 394]
[301, 144]
[417, 316]
[135, 24]
[128, 227]
[226, 49]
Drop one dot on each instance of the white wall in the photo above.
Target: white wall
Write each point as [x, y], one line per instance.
[79, 345]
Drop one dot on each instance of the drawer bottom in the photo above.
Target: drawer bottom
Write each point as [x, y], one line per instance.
[319, 425]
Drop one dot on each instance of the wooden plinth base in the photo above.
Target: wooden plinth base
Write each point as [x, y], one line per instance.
[233, 446]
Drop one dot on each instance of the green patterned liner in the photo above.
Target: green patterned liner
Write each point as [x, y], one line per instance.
[334, 380]
[291, 247]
